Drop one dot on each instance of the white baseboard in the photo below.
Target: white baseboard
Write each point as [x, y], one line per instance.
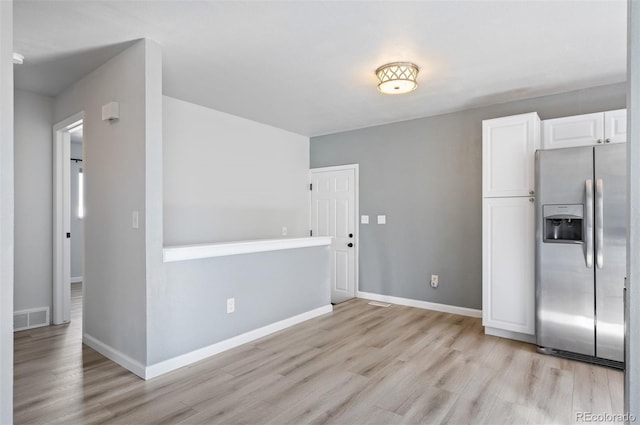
[174, 363]
[114, 355]
[463, 311]
[77, 279]
[531, 339]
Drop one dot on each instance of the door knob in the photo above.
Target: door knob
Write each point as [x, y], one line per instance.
[531, 192]
[599, 140]
[607, 140]
[350, 245]
[350, 235]
[531, 199]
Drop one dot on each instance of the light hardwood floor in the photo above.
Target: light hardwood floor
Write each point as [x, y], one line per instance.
[359, 365]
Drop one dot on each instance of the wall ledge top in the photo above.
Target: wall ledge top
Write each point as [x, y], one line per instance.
[221, 249]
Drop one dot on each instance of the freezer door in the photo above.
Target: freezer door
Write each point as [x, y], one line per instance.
[565, 317]
[610, 253]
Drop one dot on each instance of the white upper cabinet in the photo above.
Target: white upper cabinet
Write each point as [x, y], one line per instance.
[569, 132]
[508, 155]
[585, 130]
[615, 126]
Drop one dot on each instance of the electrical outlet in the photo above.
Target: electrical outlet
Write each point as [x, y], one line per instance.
[434, 280]
[284, 231]
[231, 305]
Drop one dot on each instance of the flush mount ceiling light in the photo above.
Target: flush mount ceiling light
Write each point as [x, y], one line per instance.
[397, 77]
[18, 59]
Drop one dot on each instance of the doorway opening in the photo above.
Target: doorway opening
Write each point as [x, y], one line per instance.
[68, 228]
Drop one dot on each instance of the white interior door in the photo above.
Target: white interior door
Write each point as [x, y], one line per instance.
[334, 209]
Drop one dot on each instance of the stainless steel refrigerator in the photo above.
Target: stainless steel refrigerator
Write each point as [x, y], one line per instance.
[581, 252]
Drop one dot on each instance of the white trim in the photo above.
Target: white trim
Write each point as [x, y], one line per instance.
[426, 305]
[335, 168]
[61, 311]
[77, 279]
[356, 168]
[114, 355]
[197, 251]
[174, 363]
[531, 339]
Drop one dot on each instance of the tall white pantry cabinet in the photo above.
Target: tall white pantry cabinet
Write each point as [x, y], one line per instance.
[508, 225]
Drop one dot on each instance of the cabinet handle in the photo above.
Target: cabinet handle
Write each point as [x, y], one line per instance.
[599, 140]
[531, 192]
[607, 141]
[531, 199]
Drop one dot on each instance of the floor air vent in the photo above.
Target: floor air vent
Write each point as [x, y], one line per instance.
[28, 319]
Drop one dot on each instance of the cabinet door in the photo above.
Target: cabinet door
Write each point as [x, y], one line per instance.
[508, 258]
[508, 155]
[615, 126]
[569, 132]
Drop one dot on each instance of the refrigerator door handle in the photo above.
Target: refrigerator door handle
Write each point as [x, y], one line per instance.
[599, 224]
[588, 195]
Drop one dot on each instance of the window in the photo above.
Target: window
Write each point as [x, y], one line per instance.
[80, 193]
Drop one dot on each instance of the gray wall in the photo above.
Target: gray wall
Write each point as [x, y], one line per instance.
[6, 212]
[426, 176]
[77, 224]
[227, 178]
[115, 275]
[33, 201]
[267, 287]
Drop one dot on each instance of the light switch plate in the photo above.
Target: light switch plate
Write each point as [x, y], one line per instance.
[364, 219]
[231, 305]
[382, 219]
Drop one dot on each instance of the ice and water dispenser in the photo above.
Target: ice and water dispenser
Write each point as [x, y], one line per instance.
[563, 223]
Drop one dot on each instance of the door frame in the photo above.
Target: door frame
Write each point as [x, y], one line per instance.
[356, 169]
[61, 308]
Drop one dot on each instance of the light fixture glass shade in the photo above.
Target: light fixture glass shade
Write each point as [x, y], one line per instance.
[397, 77]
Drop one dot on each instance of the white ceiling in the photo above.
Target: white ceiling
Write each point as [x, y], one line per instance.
[308, 66]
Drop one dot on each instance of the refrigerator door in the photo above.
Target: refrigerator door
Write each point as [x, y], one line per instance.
[610, 254]
[564, 269]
